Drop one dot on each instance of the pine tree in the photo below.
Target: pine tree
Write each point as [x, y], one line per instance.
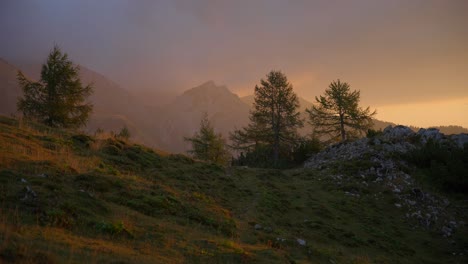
[207, 145]
[58, 99]
[337, 114]
[274, 119]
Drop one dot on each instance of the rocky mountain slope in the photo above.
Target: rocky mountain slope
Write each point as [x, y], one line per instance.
[381, 162]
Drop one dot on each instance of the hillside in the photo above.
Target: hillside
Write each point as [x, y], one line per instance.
[113, 105]
[72, 198]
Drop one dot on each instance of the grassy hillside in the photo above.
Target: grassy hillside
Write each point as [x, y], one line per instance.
[71, 198]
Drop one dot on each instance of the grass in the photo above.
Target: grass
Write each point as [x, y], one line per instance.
[71, 198]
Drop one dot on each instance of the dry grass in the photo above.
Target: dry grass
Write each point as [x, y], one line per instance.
[134, 205]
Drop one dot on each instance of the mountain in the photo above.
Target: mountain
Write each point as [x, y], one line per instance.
[158, 119]
[181, 118]
[9, 89]
[114, 107]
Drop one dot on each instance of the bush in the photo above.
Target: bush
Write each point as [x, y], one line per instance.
[290, 156]
[305, 149]
[372, 133]
[444, 165]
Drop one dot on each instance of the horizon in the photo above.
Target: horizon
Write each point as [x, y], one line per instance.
[407, 59]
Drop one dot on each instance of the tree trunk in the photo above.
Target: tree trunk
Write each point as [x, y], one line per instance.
[343, 132]
[276, 149]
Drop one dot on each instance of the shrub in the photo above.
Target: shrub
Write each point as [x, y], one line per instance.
[443, 165]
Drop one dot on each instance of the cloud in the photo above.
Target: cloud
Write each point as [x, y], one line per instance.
[393, 51]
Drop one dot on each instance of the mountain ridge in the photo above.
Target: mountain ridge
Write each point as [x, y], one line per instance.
[162, 125]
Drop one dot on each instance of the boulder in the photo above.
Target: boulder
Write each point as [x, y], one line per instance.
[397, 132]
[430, 133]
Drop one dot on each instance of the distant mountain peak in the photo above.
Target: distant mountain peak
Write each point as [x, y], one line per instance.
[208, 87]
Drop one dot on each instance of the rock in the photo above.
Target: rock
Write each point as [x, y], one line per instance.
[398, 205]
[453, 224]
[23, 180]
[280, 239]
[446, 231]
[258, 227]
[29, 193]
[301, 242]
[42, 175]
[460, 140]
[430, 133]
[397, 132]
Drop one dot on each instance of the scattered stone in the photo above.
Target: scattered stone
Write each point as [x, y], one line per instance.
[453, 224]
[446, 231]
[29, 190]
[301, 242]
[42, 175]
[387, 168]
[29, 193]
[24, 180]
[258, 227]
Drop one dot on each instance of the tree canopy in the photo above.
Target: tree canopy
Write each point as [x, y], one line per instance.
[274, 119]
[207, 145]
[337, 113]
[59, 98]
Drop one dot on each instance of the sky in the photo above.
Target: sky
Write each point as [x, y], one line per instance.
[409, 59]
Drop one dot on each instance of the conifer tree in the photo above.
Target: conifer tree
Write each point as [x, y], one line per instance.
[274, 119]
[207, 145]
[337, 113]
[59, 98]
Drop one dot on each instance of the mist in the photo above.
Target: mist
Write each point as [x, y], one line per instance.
[395, 52]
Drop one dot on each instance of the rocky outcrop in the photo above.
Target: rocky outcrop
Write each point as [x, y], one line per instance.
[383, 155]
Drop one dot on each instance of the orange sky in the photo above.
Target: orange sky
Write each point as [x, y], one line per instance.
[443, 112]
[397, 53]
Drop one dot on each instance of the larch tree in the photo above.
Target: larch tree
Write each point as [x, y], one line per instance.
[59, 98]
[337, 113]
[207, 145]
[275, 117]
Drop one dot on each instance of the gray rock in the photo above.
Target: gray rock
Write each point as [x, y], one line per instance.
[397, 132]
[301, 242]
[446, 231]
[258, 227]
[460, 140]
[430, 133]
